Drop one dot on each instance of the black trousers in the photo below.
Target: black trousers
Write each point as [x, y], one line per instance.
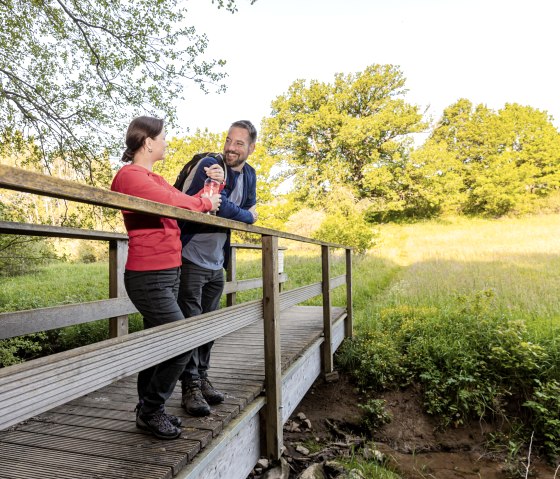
[154, 293]
[200, 292]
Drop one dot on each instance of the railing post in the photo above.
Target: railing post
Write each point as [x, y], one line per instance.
[231, 274]
[118, 251]
[349, 325]
[272, 357]
[327, 365]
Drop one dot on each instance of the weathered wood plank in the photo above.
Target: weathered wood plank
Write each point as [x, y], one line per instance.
[295, 296]
[246, 284]
[338, 281]
[328, 364]
[139, 441]
[36, 457]
[44, 319]
[234, 454]
[349, 306]
[13, 468]
[231, 277]
[297, 380]
[96, 449]
[27, 229]
[118, 252]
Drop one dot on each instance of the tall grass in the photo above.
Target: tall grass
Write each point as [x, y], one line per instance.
[517, 258]
[57, 283]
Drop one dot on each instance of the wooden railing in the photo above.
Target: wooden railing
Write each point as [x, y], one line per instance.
[36, 386]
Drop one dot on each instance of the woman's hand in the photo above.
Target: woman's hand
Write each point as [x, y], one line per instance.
[216, 172]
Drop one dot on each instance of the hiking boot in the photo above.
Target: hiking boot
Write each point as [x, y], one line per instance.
[192, 400]
[212, 396]
[176, 421]
[158, 424]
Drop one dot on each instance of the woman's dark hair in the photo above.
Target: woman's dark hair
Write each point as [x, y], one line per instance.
[248, 126]
[139, 129]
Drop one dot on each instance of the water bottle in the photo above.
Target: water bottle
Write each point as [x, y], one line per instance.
[211, 187]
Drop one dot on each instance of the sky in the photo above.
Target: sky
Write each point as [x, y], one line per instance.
[488, 51]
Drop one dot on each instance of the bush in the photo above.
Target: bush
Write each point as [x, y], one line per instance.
[375, 414]
[24, 254]
[545, 408]
[19, 349]
[349, 230]
[468, 362]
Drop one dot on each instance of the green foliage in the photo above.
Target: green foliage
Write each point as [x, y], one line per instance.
[375, 414]
[369, 469]
[470, 363]
[21, 254]
[345, 222]
[24, 254]
[496, 162]
[74, 73]
[329, 134]
[17, 350]
[545, 408]
[351, 230]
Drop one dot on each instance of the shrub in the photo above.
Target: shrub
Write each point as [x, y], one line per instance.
[349, 230]
[375, 414]
[545, 408]
[469, 363]
[17, 350]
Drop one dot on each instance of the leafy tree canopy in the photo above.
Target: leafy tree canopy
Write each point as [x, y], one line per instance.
[73, 73]
[506, 159]
[332, 133]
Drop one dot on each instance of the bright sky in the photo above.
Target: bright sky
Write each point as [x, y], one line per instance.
[489, 51]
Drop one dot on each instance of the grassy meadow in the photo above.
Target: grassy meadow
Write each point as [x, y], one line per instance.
[431, 263]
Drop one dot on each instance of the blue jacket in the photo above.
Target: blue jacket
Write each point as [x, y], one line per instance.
[227, 209]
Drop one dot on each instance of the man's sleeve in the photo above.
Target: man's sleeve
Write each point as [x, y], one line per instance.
[252, 196]
[231, 211]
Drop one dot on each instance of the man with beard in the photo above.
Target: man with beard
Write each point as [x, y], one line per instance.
[205, 252]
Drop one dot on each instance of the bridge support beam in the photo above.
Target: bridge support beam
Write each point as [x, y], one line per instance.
[118, 252]
[327, 357]
[272, 356]
[349, 323]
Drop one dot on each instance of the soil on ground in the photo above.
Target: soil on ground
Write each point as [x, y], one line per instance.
[411, 443]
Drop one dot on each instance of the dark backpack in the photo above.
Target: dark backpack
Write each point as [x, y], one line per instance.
[185, 177]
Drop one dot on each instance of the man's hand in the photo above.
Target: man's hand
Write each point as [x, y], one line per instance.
[253, 211]
[216, 172]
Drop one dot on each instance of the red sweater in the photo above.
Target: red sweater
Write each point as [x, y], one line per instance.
[154, 242]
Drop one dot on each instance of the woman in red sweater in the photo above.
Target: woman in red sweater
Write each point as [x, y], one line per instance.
[153, 266]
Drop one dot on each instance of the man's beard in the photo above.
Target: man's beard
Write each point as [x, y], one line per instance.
[233, 160]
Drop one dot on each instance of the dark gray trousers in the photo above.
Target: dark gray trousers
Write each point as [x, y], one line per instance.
[154, 293]
[199, 292]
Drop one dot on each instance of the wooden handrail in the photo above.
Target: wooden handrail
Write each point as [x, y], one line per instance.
[30, 182]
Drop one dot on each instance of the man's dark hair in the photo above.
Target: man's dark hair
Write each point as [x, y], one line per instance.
[247, 125]
[139, 129]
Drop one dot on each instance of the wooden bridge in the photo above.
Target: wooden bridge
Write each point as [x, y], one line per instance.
[70, 415]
